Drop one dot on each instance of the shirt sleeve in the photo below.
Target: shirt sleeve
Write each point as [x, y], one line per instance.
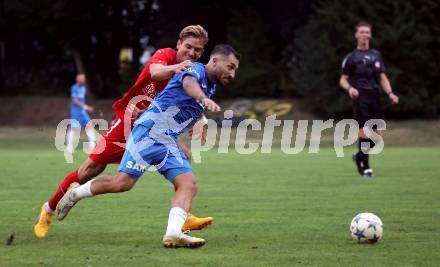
[382, 65]
[196, 71]
[347, 65]
[161, 56]
[74, 92]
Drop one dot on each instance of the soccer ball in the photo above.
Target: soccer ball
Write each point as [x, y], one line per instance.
[366, 228]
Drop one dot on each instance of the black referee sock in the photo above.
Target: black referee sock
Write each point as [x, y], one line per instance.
[364, 157]
[372, 144]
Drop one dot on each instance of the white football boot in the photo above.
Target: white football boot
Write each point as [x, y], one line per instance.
[182, 240]
[66, 202]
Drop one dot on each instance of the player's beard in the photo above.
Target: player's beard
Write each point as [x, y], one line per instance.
[225, 80]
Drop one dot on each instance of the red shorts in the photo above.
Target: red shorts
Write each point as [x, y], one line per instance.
[111, 147]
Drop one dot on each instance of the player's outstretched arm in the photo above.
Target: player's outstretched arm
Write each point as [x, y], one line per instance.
[161, 72]
[192, 88]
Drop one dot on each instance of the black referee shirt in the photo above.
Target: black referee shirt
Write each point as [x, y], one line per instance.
[363, 68]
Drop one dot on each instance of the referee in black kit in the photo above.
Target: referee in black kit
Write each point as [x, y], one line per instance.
[362, 73]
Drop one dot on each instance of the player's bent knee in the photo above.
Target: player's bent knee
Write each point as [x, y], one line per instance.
[89, 169]
[192, 187]
[187, 183]
[123, 182]
[189, 188]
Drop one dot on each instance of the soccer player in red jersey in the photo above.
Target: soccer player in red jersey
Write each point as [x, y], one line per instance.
[110, 148]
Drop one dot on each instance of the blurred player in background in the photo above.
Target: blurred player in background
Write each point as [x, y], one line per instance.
[79, 114]
[363, 71]
[110, 148]
[154, 139]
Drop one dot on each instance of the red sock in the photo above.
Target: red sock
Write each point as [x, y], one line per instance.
[71, 178]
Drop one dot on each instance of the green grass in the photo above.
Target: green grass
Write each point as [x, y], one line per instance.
[270, 210]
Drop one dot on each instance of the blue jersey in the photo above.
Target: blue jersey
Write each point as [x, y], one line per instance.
[153, 139]
[173, 110]
[78, 114]
[78, 91]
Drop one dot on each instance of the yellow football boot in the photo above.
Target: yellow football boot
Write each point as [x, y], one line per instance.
[41, 228]
[195, 223]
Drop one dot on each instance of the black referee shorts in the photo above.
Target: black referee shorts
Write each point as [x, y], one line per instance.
[367, 106]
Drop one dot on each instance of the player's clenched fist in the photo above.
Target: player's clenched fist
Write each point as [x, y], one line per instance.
[353, 92]
[210, 105]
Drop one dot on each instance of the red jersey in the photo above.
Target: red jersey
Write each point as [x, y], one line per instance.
[144, 84]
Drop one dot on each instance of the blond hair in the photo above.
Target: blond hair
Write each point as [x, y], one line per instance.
[195, 31]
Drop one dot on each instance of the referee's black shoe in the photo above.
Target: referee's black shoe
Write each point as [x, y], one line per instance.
[359, 164]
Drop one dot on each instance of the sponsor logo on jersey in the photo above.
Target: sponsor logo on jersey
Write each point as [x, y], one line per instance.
[192, 70]
[150, 90]
[377, 65]
[136, 166]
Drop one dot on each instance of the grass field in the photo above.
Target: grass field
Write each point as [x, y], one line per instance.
[270, 210]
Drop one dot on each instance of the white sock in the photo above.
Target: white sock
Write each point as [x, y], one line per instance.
[70, 139]
[82, 191]
[47, 208]
[175, 221]
[91, 136]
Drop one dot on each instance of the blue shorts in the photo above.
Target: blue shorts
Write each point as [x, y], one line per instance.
[79, 119]
[144, 150]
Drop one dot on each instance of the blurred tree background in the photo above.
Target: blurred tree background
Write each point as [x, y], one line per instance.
[290, 48]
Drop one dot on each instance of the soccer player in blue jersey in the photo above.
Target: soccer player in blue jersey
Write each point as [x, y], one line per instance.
[153, 141]
[78, 113]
